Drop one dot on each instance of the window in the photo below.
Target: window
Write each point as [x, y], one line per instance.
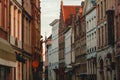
[95, 48]
[3, 13]
[116, 28]
[29, 32]
[101, 10]
[92, 49]
[87, 24]
[14, 20]
[104, 7]
[95, 34]
[106, 34]
[98, 12]
[101, 64]
[99, 37]
[92, 36]
[102, 32]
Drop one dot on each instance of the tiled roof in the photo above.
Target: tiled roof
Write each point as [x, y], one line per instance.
[68, 10]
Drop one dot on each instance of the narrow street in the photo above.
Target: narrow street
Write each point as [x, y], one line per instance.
[59, 39]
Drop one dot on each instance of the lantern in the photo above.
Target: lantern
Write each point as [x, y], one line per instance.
[35, 65]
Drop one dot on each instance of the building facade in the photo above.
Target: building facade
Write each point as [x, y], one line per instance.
[16, 39]
[117, 37]
[7, 54]
[80, 45]
[54, 52]
[67, 54]
[49, 48]
[27, 21]
[37, 61]
[61, 44]
[105, 39]
[91, 40]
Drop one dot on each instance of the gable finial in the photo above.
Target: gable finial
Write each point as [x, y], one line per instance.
[61, 2]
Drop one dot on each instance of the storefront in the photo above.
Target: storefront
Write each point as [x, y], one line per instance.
[7, 61]
[6, 73]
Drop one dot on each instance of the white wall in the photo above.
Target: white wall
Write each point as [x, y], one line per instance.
[55, 57]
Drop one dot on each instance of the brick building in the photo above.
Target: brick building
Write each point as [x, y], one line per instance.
[36, 40]
[105, 39]
[20, 38]
[7, 54]
[26, 30]
[15, 24]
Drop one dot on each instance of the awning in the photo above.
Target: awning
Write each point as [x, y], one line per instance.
[91, 55]
[7, 54]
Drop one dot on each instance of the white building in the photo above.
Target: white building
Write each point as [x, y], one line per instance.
[54, 58]
[49, 61]
[91, 40]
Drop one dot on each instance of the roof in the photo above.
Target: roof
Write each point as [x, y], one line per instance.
[68, 10]
[54, 22]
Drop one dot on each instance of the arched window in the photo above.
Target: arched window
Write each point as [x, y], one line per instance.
[101, 64]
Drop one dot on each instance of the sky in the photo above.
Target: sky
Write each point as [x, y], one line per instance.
[50, 10]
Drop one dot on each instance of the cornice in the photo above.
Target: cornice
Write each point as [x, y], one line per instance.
[14, 2]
